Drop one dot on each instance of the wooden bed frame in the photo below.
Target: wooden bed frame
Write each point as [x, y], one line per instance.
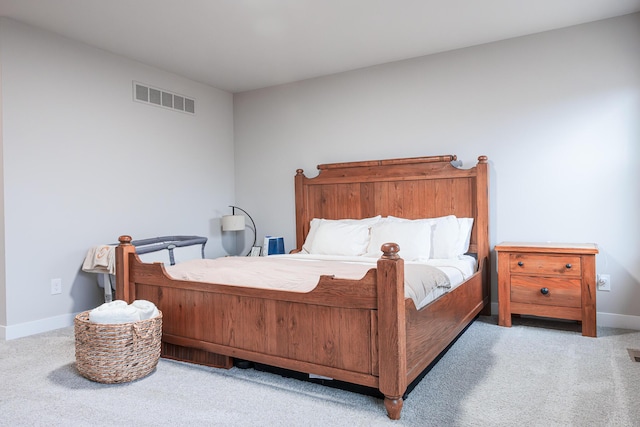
[362, 332]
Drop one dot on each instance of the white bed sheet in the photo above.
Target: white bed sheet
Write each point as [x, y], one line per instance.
[276, 272]
[457, 270]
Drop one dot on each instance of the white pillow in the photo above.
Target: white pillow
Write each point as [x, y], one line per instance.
[444, 235]
[315, 223]
[413, 237]
[340, 238]
[450, 236]
[464, 237]
[313, 227]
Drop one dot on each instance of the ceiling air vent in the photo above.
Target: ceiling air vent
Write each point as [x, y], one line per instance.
[163, 98]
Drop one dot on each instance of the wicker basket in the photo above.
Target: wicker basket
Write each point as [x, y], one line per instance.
[117, 353]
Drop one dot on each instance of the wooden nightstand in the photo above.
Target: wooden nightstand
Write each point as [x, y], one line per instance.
[548, 279]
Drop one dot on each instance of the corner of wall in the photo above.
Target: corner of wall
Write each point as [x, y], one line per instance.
[3, 285]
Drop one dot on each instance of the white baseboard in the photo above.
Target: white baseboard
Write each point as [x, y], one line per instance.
[36, 327]
[607, 320]
[622, 321]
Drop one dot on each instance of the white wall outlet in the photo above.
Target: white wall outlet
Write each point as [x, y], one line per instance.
[56, 286]
[604, 282]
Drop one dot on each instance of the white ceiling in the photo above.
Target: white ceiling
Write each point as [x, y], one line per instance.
[238, 45]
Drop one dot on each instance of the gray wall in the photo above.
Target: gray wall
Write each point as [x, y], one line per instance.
[557, 114]
[3, 283]
[83, 163]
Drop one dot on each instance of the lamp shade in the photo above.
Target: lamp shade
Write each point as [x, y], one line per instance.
[233, 222]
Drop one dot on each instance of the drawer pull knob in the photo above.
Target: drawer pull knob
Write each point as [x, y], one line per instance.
[520, 263]
[544, 291]
[568, 265]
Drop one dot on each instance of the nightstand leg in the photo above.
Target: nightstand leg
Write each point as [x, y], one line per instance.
[504, 291]
[504, 319]
[589, 327]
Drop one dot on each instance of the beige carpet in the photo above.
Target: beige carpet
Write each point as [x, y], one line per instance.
[524, 375]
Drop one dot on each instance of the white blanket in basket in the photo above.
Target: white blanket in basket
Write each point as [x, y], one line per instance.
[119, 311]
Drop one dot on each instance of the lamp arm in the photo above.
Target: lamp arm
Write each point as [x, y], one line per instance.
[255, 231]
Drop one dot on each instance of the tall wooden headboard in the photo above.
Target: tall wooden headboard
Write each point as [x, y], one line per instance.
[419, 187]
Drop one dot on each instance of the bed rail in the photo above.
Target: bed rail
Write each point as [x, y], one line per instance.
[155, 244]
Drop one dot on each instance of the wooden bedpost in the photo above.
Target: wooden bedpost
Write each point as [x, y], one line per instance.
[302, 221]
[482, 231]
[123, 292]
[392, 333]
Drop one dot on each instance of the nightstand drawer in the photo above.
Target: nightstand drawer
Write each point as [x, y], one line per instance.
[556, 291]
[565, 265]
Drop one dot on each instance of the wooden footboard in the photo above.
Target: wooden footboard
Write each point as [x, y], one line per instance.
[330, 331]
[362, 332]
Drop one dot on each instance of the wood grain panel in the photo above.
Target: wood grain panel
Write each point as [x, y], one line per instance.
[200, 357]
[289, 334]
[409, 193]
[395, 198]
[545, 264]
[429, 207]
[425, 198]
[561, 291]
[329, 201]
[334, 346]
[375, 366]
[348, 201]
[229, 317]
[558, 312]
[297, 365]
[463, 207]
[382, 202]
[310, 333]
[367, 200]
[442, 198]
[251, 327]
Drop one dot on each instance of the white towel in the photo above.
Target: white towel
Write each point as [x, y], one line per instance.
[100, 259]
[114, 312]
[119, 312]
[112, 304]
[147, 309]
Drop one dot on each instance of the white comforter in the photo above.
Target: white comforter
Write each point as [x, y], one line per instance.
[300, 272]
